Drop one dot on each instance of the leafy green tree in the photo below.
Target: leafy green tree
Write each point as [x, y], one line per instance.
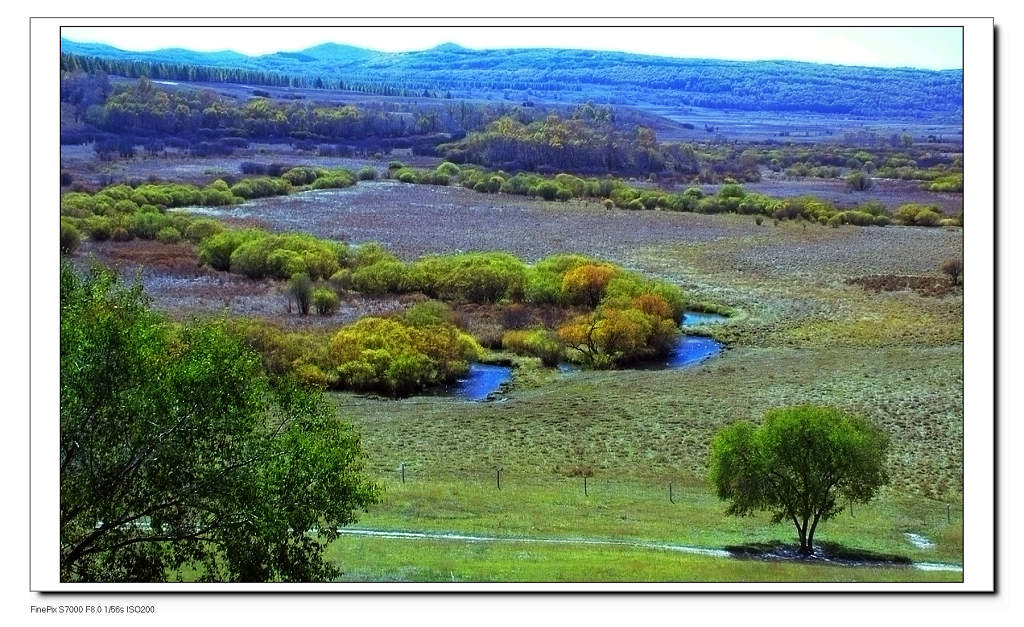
[179, 453]
[798, 465]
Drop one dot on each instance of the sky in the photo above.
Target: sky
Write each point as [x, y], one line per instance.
[920, 47]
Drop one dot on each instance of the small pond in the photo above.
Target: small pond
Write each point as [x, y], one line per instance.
[481, 382]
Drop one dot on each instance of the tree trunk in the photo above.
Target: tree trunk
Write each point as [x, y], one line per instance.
[802, 531]
[806, 539]
[810, 534]
[805, 546]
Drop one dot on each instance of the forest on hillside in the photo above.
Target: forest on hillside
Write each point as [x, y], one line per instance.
[568, 75]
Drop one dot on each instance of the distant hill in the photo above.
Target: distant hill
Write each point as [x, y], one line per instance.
[580, 75]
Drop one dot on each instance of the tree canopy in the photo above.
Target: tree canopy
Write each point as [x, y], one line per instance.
[799, 465]
[179, 454]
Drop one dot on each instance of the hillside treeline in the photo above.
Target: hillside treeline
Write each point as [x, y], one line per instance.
[569, 75]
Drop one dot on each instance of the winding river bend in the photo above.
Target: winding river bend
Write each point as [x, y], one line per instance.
[484, 380]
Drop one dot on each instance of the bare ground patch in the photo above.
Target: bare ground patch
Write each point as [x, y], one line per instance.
[935, 286]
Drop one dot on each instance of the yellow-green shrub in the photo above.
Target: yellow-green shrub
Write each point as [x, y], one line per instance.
[390, 356]
[539, 343]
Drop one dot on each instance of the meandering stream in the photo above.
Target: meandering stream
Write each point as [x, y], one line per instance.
[485, 379]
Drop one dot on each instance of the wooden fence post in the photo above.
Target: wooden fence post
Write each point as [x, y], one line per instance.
[584, 485]
[403, 472]
[499, 478]
[670, 493]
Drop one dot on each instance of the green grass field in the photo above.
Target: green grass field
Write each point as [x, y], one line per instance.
[399, 560]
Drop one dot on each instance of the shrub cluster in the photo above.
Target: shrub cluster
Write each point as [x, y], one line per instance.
[470, 277]
[366, 174]
[398, 358]
[918, 215]
[261, 187]
[334, 179]
[122, 212]
[305, 353]
[303, 175]
[259, 254]
[615, 193]
[633, 317]
[802, 169]
[124, 199]
[946, 183]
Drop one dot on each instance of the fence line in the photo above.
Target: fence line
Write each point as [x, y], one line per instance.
[589, 485]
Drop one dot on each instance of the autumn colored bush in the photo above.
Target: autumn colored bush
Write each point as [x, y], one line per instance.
[620, 331]
[585, 284]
